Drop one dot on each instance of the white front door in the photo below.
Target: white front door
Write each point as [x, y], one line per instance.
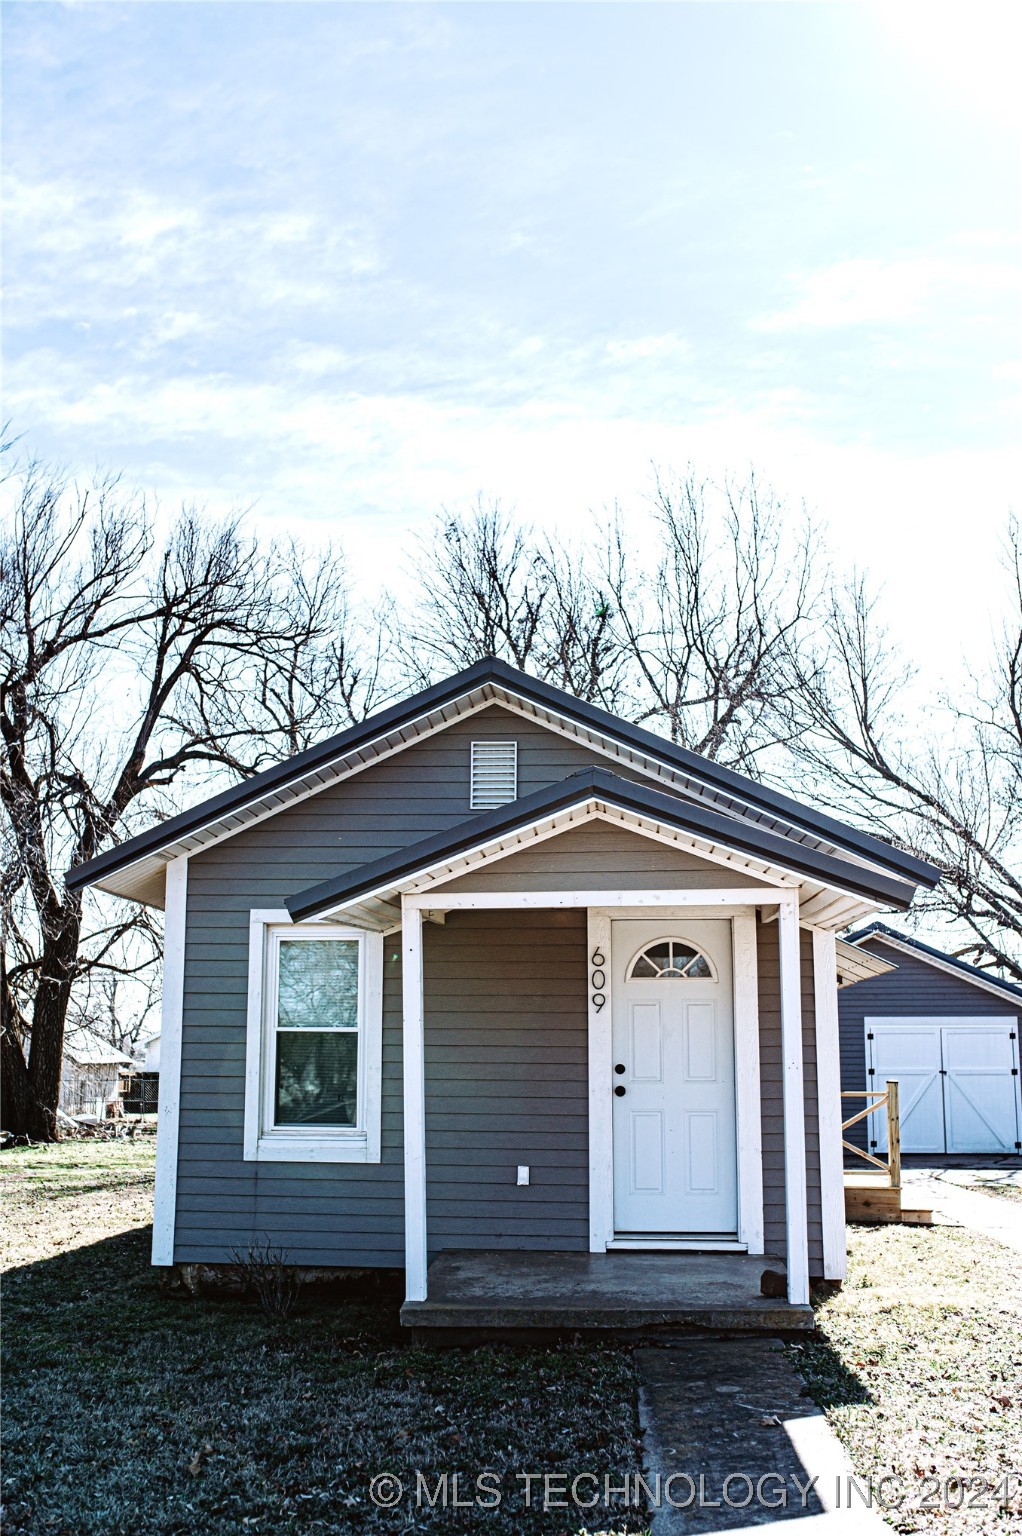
[673, 1074]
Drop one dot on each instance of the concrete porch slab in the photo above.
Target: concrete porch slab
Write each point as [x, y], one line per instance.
[718, 1292]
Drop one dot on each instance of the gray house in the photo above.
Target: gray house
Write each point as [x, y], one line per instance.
[496, 975]
[948, 1033]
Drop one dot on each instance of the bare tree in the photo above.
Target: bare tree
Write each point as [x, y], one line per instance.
[489, 587]
[944, 783]
[710, 626]
[128, 672]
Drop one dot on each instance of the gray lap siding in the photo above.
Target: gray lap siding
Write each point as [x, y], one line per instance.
[507, 1080]
[340, 1214]
[506, 1029]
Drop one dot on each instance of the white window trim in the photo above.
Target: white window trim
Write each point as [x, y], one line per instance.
[295, 1144]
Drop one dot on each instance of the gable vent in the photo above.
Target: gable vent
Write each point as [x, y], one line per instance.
[494, 774]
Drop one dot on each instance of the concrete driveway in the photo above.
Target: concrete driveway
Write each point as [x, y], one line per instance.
[946, 1190]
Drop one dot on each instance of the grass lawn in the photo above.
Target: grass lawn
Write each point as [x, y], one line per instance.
[129, 1410]
[918, 1364]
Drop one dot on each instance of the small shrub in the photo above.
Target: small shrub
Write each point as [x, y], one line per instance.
[265, 1271]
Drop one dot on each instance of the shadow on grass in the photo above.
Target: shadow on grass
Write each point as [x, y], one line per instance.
[830, 1381]
[130, 1407]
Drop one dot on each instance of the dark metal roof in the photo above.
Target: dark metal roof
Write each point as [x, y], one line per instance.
[491, 670]
[928, 952]
[598, 783]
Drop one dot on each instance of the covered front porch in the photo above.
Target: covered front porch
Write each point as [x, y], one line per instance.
[679, 1292]
[561, 1095]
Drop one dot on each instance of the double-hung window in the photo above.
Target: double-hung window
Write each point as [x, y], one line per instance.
[314, 1042]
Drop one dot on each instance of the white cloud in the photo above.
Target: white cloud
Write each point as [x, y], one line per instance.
[867, 291]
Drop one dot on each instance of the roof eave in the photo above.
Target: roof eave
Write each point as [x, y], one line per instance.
[99, 870]
[576, 791]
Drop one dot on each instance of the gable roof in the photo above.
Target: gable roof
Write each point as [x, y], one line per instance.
[135, 867]
[87, 1049]
[382, 879]
[937, 958]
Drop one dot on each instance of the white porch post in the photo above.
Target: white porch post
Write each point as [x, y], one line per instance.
[747, 1080]
[793, 1099]
[828, 1087]
[601, 1122]
[413, 1058]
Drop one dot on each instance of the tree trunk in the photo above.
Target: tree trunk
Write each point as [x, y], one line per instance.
[13, 1072]
[31, 1093]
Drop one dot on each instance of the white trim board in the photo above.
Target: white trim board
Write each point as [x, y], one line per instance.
[748, 1102]
[793, 1099]
[302, 1146]
[413, 1048]
[171, 1020]
[749, 1149]
[601, 1126]
[828, 1099]
[471, 901]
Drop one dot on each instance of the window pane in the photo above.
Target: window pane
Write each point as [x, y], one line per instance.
[659, 956]
[317, 1076]
[318, 984]
[671, 961]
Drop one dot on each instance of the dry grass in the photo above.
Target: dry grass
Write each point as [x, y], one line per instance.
[919, 1367]
[1006, 1191]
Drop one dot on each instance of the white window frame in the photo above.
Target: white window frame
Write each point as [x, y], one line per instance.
[265, 1142]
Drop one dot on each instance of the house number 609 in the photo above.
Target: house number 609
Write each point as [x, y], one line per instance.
[598, 980]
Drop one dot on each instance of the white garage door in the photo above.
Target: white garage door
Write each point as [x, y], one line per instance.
[958, 1082]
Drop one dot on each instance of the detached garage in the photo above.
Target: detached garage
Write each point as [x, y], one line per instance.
[948, 1033]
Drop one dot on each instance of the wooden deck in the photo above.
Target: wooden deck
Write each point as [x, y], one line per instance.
[871, 1197]
[874, 1193]
[695, 1292]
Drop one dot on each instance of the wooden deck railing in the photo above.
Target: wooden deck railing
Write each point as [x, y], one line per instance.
[886, 1098]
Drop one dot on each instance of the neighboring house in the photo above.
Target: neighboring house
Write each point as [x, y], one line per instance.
[150, 1049]
[947, 1033]
[498, 971]
[90, 1073]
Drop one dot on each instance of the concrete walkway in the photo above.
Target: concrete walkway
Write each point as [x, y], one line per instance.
[732, 1443]
[943, 1189]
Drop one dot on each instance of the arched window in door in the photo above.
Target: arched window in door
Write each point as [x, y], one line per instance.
[671, 960]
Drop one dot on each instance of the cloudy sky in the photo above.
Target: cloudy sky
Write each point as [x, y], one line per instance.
[351, 261]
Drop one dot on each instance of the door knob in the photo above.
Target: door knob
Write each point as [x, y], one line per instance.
[619, 1066]
[619, 1091]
